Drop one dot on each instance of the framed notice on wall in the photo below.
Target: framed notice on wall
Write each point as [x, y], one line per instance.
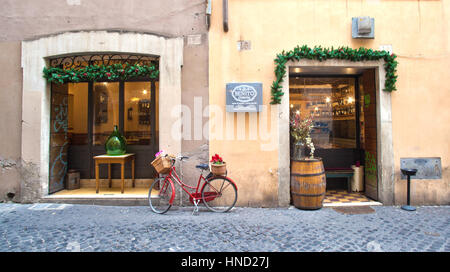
[244, 97]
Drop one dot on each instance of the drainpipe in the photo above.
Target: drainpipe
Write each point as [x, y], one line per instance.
[225, 15]
[208, 14]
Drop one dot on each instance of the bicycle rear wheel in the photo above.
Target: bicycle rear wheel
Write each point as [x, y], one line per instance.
[219, 194]
[160, 194]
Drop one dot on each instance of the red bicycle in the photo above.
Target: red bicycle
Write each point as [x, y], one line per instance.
[218, 193]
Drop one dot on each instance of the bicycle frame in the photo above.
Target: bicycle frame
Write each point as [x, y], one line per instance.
[195, 196]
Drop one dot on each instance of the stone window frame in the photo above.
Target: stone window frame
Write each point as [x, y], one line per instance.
[36, 92]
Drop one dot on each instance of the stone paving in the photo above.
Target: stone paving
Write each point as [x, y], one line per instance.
[65, 227]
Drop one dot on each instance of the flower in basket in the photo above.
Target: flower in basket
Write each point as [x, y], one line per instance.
[218, 166]
[301, 130]
[216, 159]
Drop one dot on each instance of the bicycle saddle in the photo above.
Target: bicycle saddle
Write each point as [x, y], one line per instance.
[202, 166]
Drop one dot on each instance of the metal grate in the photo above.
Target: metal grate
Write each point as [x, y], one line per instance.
[78, 61]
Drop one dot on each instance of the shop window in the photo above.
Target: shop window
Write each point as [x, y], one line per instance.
[138, 105]
[331, 103]
[106, 110]
[78, 113]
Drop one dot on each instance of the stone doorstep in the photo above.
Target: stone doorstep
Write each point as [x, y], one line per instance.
[130, 200]
[368, 203]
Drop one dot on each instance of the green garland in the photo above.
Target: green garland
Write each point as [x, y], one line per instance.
[95, 73]
[321, 54]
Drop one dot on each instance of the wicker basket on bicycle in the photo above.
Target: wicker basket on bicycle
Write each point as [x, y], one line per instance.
[219, 170]
[218, 166]
[162, 165]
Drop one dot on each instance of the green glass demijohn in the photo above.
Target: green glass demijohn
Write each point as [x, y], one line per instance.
[116, 143]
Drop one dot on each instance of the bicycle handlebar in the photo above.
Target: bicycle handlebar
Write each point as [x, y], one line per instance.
[177, 157]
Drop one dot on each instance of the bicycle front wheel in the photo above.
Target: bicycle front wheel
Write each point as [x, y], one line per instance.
[160, 194]
[219, 194]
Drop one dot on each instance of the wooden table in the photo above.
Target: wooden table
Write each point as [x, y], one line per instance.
[107, 159]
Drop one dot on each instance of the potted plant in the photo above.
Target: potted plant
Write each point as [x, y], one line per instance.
[218, 166]
[301, 133]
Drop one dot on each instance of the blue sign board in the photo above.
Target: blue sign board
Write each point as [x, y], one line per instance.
[244, 97]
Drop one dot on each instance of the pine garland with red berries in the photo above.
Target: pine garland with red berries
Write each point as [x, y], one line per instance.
[321, 54]
[100, 72]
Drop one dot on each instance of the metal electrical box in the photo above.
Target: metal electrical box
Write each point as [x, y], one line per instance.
[363, 27]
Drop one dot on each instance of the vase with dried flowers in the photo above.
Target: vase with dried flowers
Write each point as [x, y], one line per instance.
[301, 133]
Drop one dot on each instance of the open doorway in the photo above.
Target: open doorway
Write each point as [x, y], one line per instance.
[342, 104]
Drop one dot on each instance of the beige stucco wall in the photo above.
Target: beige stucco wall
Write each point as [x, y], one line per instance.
[31, 20]
[10, 121]
[418, 32]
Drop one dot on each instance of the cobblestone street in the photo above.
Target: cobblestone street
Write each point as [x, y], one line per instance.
[65, 227]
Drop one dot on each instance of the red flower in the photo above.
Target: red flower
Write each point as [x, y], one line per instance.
[108, 74]
[216, 158]
[84, 74]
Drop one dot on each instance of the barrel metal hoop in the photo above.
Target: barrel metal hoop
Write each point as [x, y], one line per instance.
[307, 175]
[309, 161]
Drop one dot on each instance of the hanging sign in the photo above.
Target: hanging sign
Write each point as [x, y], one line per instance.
[244, 97]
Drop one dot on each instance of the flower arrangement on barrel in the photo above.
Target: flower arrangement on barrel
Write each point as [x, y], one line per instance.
[301, 133]
[218, 166]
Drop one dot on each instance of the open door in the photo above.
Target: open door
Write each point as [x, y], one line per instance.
[370, 134]
[58, 137]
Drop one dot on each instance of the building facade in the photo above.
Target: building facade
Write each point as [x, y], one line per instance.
[42, 139]
[297, 57]
[410, 123]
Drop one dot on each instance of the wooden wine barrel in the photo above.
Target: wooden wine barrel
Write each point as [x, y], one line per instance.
[308, 183]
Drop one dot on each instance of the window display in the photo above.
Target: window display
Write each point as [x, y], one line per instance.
[331, 103]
